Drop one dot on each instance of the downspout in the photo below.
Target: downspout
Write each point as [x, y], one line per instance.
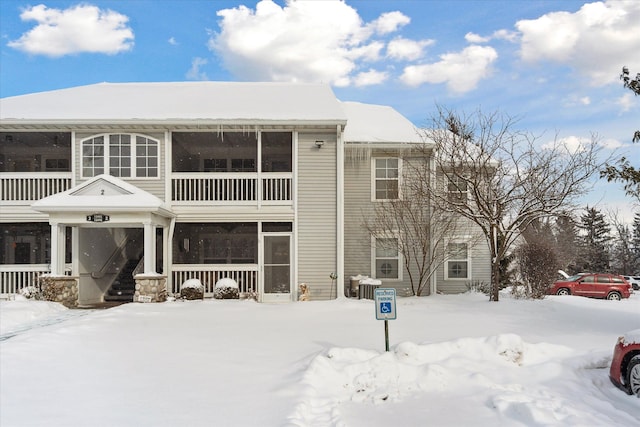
[340, 214]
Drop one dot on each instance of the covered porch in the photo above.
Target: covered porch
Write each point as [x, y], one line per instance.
[119, 229]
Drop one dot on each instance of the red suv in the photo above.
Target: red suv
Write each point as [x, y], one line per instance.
[625, 365]
[609, 286]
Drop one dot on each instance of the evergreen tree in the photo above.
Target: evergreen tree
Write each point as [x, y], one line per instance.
[565, 233]
[635, 243]
[594, 253]
[622, 259]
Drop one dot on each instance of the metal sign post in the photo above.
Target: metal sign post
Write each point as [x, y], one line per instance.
[385, 301]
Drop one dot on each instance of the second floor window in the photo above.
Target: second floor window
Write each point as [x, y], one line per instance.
[457, 188]
[386, 178]
[121, 155]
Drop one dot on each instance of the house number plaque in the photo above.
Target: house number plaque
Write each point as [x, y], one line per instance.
[98, 218]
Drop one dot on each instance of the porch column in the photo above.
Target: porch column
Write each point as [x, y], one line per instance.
[149, 248]
[57, 249]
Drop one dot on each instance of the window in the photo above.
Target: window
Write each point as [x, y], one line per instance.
[386, 178]
[457, 264]
[214, 151]
[29, 243]
[386, 258]
[35, 152]
[277, 151]
[122, 155]
[216, 243]
[457, 188]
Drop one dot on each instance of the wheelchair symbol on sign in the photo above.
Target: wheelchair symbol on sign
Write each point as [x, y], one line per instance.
[385, 307]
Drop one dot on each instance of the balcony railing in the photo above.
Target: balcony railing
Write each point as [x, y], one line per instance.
[233, 188]
[27, 187]
[246, 276]
[14, 277]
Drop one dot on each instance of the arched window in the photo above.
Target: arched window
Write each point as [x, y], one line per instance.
[122, 155]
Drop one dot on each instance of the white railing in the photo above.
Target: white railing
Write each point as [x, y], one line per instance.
[27, 187]
[245, 275]
[232, 187]
[14, 277]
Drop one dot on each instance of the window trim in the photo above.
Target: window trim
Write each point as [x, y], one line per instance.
[465, 240]
[459, 194]
[374, 258]
[374, 178]
[106, 155]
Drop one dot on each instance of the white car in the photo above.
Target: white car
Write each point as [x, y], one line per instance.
[634, 281]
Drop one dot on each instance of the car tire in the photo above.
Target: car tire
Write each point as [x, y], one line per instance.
[614, 296]
[563, 291]
[633, 375]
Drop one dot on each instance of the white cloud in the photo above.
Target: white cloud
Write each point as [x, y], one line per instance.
[389, 22]
[371, 77]
[572, 144]
[82, 28]
[172, 41]
[499, 35]
[476, 38]
[406, 49]
[597, 40]
[585, 100]
[625, 102]
[312, 41]
[461, 71]
[194, 72]
[611, 144]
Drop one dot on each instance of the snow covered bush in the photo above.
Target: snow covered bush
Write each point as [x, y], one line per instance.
[192, 289]
[479, 286]
[226, 288]
[31, 292]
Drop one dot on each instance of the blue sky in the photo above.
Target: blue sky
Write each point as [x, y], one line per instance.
[553, 64]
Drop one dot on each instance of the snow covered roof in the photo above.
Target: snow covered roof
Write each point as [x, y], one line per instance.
[369, 123]
[220, 102]
[103, 192]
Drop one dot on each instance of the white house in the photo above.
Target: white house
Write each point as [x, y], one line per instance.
[264, 183]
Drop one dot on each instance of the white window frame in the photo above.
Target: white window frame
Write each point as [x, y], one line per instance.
[375, 178]
[106, 156]
[374, 257]
[448, 259]
[454, 181]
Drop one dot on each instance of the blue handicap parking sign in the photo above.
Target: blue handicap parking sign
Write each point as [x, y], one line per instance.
[385, 307]
[385, 300]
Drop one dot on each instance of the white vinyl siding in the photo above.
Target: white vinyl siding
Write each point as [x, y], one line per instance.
[317, 214]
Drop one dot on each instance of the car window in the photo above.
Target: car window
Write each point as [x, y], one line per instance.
[603, 279]
[588, 279]
[615, 279]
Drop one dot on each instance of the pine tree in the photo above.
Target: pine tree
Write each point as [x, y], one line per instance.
[567, 242]
[635, 243]
[622, 261]
[594, 253]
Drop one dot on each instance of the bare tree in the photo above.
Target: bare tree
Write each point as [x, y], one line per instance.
[501, 179]
[419, 229]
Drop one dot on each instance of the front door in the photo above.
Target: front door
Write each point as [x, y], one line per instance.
[276, 271]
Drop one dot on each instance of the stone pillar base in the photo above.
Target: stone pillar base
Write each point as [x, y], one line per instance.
[62, 289]
[150, 288]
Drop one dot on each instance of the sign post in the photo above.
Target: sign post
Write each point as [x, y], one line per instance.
[385, 301]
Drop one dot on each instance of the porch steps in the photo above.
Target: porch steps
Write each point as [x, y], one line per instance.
[123, 288]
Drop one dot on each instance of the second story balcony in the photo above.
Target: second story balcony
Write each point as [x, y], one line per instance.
[24, 188]
[231, 188]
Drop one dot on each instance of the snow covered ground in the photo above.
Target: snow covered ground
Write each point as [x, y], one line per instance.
[455, 360]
